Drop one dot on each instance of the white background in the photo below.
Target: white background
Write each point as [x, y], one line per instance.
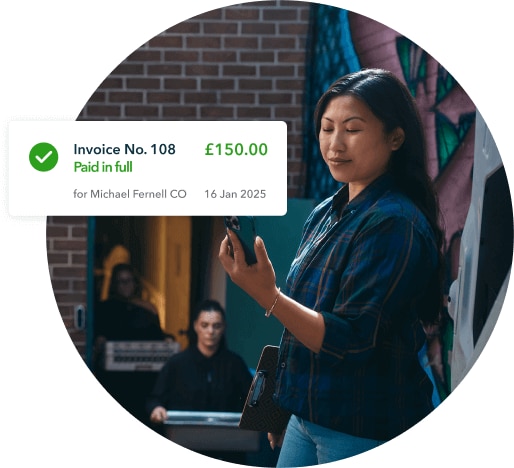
[260, 187]
[55, 54]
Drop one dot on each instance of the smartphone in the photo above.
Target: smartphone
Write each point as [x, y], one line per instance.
[244, 228]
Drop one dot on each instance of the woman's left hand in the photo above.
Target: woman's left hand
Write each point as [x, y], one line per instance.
[257, 280]
[275, 440]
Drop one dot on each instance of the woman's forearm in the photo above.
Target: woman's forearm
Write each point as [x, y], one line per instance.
[305, 324]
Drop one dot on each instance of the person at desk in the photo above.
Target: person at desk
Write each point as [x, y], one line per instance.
[207, 376]
[125, 316]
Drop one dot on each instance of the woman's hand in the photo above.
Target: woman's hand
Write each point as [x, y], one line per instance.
[159, 415]
[257, 280]
[275, 440]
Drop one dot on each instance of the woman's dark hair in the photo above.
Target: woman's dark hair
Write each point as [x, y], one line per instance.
[392, 103]
[207, 305]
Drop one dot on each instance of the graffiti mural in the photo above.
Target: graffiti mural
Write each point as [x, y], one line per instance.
[331, 54]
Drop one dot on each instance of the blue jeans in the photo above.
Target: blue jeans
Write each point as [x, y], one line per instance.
[307, 444]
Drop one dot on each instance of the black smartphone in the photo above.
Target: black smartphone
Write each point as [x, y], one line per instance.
[244, 228]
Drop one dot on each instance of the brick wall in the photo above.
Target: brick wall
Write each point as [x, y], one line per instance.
[67, 261]
[242, 62]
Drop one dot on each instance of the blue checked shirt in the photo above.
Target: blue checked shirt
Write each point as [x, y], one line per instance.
[365, 266]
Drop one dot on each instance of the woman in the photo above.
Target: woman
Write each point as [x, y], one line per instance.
[205, 377]
[366, 277]
[125, 316]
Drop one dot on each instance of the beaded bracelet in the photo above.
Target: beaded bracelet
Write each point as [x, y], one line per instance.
[268, 312]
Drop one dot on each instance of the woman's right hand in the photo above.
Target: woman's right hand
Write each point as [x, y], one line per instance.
[159, 415]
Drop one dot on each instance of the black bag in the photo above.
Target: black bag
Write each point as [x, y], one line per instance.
[260, 413]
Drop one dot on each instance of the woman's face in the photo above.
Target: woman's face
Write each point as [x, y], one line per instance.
[125, 284]
[354, 144]
[209, 327]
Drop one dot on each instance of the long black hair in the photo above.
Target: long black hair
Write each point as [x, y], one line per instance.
[391, 102]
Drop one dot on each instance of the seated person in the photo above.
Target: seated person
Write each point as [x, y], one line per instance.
[125, 316]
[205, 377]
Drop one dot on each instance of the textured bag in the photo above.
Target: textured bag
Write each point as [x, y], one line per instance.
[260, 412]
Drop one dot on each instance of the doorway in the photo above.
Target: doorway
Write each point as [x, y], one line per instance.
[174, 257]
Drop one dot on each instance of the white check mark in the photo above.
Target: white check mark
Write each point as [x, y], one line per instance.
[44, 158]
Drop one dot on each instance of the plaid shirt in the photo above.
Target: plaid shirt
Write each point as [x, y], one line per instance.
[365, 267]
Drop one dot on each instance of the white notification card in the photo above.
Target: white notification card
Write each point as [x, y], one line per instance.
[197, 168]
